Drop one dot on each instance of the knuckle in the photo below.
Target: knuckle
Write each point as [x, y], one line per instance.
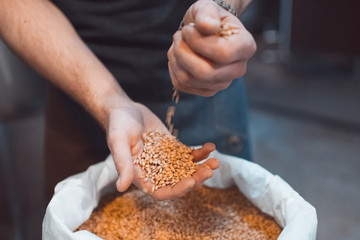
[247, 48]
[111, 137]
[180, 82]
[179, 56]
[176, 84]
[223, 55]
[250, 47]
[225, 85]
[241, 70]
[174, 37]
[203, 72]
[253, 46]
[169, 53]
[185, 82]
[209, 174]
[208, 93]
[186, 34]
[237, 71]
[175, 50]
[179, 86]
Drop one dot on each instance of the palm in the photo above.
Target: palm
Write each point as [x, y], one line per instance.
[125, 142]
[203, 171]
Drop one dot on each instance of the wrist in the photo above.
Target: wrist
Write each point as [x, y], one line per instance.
[228, 7]
[237, 6]
[106, 104]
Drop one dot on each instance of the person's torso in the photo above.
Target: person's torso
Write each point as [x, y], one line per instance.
[131, 37]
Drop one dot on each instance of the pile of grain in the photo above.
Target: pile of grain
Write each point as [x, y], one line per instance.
[165, 160]
[204, 213]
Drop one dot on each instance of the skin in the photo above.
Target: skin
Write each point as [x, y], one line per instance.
[41, 35]
[239, 6]
[202, 63]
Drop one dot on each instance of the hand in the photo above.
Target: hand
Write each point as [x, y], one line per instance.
[200, 61]
[124, 136]
[203, 172]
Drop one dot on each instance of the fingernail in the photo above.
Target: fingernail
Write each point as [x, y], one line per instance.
[207, 166]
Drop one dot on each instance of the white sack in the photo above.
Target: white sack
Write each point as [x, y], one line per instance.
[77, 196]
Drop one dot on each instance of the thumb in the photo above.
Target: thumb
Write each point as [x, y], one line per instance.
[206, 16]
[121, 152]
[203, 152]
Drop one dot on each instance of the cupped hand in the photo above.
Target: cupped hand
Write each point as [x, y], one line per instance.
[201, 61]
[126, 126]
[203, 172]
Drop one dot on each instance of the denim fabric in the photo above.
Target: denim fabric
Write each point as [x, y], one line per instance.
[221, 119]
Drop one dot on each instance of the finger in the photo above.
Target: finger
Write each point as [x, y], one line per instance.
[205, 15]
[227, 73]
[203, 71]
[221, 50]
[120, 150]
[178, 73]
[191, 90]
[224, 75]
[137, 148]
[204, 171]
[183, 81]
[190, 86]
[203, 152]
[141, 181]
[201, 175]
[179, 190]
[199, 67]
[211, 163]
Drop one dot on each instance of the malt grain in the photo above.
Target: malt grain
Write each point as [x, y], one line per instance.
[205, 213]
[165, 160]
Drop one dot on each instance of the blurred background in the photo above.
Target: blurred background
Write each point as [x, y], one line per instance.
[304, 105]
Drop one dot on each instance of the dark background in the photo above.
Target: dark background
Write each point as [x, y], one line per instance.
[304, 105]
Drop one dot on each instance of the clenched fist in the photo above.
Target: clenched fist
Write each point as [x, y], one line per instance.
[201, 60]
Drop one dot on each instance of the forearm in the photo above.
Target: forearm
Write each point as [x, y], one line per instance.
[39, 33]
